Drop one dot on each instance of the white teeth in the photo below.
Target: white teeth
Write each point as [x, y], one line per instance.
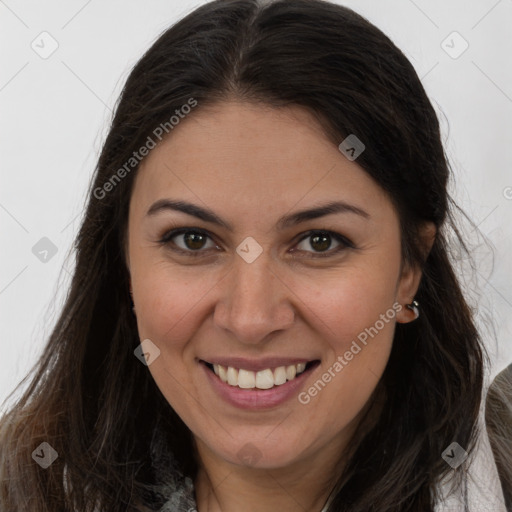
[279, 375]
[263, 379]
[223, 374]
[246, 379]
[232, 376]
[291, 371]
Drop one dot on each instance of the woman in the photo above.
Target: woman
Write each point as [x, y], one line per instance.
[263, 314]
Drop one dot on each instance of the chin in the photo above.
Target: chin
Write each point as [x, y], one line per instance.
[260, 453]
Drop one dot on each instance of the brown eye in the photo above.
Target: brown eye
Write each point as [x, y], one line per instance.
[193, 240]
[188, 241]
[321, 242]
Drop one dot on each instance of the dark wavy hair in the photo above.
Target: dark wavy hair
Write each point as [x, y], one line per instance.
[100, 409]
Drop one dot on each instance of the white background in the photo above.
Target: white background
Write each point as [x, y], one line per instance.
[55, 111]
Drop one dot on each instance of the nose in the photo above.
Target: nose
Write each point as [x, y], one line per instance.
[255, 301]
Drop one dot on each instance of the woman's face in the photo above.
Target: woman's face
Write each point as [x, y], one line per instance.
[252, 283]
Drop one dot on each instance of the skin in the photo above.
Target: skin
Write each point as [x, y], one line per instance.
[251, 164]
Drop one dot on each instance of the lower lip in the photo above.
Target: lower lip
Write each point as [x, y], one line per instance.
[256, 399]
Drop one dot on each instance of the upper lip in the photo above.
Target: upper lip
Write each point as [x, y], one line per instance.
[256, 365]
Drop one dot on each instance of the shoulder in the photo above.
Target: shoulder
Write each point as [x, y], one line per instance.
[481, 489]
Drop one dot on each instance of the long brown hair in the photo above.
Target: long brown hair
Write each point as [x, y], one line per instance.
[99, 408]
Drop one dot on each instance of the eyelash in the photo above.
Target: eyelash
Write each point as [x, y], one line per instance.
[345, 242]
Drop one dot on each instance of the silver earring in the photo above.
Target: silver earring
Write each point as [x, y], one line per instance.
[413, 306]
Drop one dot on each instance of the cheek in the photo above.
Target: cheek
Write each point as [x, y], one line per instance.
[168, 301]
[170, 308]
[356, 319]
[344, 305]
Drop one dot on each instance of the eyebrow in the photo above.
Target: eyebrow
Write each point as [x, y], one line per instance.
[283, 223]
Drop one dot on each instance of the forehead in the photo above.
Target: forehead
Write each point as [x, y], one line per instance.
[253, 155]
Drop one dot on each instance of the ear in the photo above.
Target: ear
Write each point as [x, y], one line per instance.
[410, 277]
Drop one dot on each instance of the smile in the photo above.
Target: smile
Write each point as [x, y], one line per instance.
[260, 384]
[267, 378]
